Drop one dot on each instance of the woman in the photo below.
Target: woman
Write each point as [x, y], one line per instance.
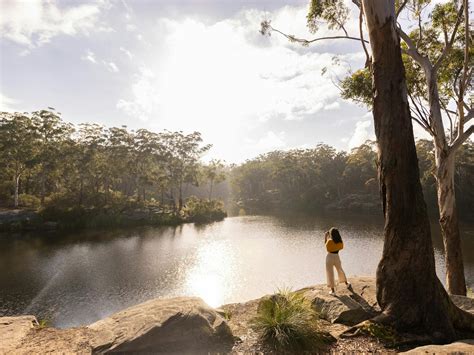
[334, 243]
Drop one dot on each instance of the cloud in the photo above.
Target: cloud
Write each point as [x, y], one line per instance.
[227, 70]
[35, 22]
[127, 53]
[111, 66]
[226, 80]
[89, 56]
[363, 131]
[7, 103]
[145, 96]
[270, 142]
[131, 27]
[332, 106]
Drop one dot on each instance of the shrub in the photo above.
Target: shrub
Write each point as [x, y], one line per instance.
[286, 321]
[29, 201]
[202, 211]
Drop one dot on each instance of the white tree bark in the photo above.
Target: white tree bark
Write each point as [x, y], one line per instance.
[445, 165]
[17, 187]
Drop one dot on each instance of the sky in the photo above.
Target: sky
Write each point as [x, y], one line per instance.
[189, 65]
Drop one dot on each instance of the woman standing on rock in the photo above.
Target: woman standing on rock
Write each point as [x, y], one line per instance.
[334, 243]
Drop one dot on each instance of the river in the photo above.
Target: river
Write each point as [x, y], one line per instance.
[77, 278]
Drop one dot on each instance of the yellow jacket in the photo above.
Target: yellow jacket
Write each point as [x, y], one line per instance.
[332, 247]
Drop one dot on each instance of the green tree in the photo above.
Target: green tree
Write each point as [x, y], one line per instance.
[214, 174]
[18, 138]
[183, 152]
[51, 133]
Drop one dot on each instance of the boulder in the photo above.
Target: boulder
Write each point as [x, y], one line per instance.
[13, 330]
[347, 306]
[458, 348]
[176, 325]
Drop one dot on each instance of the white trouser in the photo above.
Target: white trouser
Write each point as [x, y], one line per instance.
[333, 261]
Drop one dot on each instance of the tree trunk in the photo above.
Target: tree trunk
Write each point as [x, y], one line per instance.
[408, 291]
[445, 163]
[448, 220]
[17, 188]
[180, 197]
[210, 189]
[449, 225]
[43, 187]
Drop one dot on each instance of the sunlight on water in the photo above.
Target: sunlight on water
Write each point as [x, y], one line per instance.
[210, 277]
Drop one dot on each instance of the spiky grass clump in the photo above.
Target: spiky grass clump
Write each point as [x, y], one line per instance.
[286, 321]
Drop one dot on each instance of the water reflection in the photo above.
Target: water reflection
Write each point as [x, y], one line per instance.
[212, 273]
[78, 278]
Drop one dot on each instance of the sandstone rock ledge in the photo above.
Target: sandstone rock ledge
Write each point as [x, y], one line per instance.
[183, 325]
[186, 325]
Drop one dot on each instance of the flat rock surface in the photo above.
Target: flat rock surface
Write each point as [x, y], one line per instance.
[348, 306]
[460, 347]
[13, 330]
[186, 325]
[183, 325]
[170, 325]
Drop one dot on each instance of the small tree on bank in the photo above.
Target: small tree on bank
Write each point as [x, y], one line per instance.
[214, 174]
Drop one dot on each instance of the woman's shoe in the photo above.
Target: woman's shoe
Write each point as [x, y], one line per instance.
[332, 293]
[349, 286]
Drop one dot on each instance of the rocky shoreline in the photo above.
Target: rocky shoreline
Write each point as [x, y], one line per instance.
[186, 325]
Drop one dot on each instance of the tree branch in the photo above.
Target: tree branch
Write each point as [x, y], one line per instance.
[413, 51]
[465, 70]
[469, 116]
[448, 113]
[461, 139]
[449, 44]
[402, 6]
[421, 119]
[306, 42]
[361, 31]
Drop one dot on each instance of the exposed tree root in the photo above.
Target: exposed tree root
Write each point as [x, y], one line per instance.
[460, 327]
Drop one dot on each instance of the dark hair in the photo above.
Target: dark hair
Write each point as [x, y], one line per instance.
[335, 236]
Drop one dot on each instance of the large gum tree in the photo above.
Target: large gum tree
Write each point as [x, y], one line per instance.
[409, 293]
[408, 290]
[436, 53]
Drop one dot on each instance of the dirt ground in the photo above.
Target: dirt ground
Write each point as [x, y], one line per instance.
[239, 317]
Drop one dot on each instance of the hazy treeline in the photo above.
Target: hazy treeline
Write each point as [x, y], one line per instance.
[46, 161]
[323, 178]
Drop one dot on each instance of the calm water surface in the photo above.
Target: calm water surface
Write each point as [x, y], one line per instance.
[78, 278]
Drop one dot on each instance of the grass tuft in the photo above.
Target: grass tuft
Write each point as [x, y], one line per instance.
[286, 321]
[43, 323]
[383, 333]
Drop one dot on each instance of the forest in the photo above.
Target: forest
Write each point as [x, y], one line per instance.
[65, 170]
[85, 171]
[323, 178]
